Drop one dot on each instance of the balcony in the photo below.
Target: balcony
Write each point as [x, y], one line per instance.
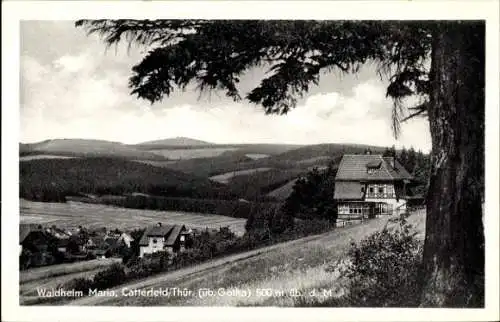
[380, 195]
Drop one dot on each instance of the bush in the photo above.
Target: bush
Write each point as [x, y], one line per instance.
[112, 276]
[79, 284]
[383, 270]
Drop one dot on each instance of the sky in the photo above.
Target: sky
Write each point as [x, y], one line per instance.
[72, 87]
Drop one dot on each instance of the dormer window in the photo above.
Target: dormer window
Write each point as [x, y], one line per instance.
[373, 166]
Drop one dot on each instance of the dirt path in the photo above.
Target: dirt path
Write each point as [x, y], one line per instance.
[336, 242]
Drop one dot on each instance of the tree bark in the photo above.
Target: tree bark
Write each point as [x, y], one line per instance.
[454, 244]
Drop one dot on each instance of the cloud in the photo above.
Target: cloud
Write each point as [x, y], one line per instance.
[86, 96]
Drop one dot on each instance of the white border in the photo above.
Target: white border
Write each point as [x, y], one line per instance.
[13, 12]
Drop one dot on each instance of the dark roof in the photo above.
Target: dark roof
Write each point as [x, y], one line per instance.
[374, 164]
[169, 232]
[354, 167]
[174, 234]
[26, 229]
[111, 241]
[348, 190]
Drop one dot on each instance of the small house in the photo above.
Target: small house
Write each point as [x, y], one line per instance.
[33, 238]
[168, 238]
[368, 185]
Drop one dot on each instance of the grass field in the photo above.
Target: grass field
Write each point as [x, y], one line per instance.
[74, 214]
[52, 271]
[300, 264]
[284, 191]
[54, 276]
[225, 177]
[42, 156]
[183, 154]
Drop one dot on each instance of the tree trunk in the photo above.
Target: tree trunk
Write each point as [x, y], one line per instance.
[454, 243]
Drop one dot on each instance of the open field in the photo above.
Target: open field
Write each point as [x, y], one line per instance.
[86, 148]
[73, 214]
[298, 264]
[225, 177]
[284, 191]
[42, 273]
[182, 154]
[53, 276]
[42, 156]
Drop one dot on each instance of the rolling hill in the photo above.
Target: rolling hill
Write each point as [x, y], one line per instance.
[177, 141]
[86, 148]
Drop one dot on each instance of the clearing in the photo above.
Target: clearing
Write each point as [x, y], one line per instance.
[298, 264]
[225, 177]
[182, 154]
[92, 216]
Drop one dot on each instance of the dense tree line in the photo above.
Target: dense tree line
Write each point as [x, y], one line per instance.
[54, 179]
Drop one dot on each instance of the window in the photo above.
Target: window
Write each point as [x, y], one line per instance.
[154, 241]
[380, 190]
[182, 238]
[371, 189]
[362, 189]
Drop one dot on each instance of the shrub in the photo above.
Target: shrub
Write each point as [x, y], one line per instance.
[383, 270]
[79, 284]
[112, 276]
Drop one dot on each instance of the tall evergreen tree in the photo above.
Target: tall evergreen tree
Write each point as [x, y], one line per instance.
[403, 158]
[214, 54]
[411, 161]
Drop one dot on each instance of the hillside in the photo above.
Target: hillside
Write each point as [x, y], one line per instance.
[86, 148]
[319, 151]
[177, 141]
[53, 179]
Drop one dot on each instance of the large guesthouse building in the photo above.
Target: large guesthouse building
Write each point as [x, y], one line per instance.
[367, 185]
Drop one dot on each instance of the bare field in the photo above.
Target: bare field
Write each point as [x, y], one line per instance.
[298, 264]
[74, 214]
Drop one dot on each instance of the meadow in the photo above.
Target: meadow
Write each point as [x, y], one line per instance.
[54, 276]
[226, 177]
[74, 214]
[182, 154]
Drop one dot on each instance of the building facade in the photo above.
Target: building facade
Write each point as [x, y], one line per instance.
[368, 185]
[166, 238]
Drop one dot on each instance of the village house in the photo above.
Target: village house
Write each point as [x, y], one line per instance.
[169, 238]
[32, 237]
[367, 185]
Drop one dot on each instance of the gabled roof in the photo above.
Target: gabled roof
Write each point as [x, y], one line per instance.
[354, 167]
[348, 190]
[169, 232]
[174, 234]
